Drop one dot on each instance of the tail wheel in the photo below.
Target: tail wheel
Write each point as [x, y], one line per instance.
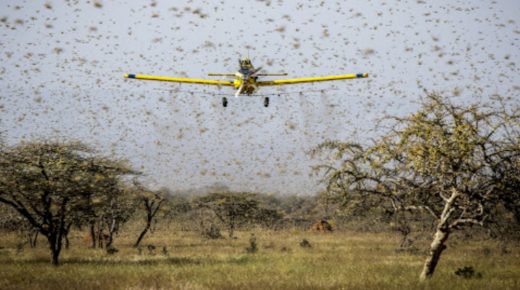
[224, 102]
[266, 102]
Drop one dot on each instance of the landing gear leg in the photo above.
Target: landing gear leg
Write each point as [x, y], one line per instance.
[266, 102]
[224, 102]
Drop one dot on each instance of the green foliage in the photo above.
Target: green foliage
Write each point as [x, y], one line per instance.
[455, 163]
[176, 205]
[11, 220]
[341, 260]
[232, 209]
[267, 217]
[56, 185]
[468, 272]
[426, 156]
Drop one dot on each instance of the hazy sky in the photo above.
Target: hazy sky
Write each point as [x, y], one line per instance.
[62, 66]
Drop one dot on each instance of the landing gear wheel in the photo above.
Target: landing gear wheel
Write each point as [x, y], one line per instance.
[266, 102]
[224, 102]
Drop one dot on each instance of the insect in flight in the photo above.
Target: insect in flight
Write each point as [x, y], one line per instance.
[246, 79]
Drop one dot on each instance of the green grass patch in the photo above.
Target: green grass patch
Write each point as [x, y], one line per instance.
[342, 260]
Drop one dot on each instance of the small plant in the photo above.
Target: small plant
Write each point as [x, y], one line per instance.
[19, 247]
[305, 244]
[151, 249]
[212, 233]
[504, 250]
[285, 249]
[253, 247]
[468, 272]
[165, 251]
[112, 250]
[486, 251]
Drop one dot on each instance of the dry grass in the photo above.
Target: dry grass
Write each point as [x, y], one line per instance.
[344, 260]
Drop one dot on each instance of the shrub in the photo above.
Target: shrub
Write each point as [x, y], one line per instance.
[253, 247]
[468, 272]
[213, 232]
[305, 244]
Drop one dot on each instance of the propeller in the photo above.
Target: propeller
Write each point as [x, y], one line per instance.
[245, 78]
[239, 89]
[254, 72]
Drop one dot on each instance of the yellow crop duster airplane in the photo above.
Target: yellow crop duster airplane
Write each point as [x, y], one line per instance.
[246, 79]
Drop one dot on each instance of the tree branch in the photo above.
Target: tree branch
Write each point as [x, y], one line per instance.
[461, 222]
[424, 208]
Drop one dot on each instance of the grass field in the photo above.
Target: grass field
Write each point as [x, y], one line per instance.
[341, 260]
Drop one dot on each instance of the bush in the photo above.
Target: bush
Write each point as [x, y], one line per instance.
[305, 244]
[213, 232]
[253, 247]
[111, 250]
[468, 272]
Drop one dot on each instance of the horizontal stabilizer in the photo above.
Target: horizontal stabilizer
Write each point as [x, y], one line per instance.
[271, 74]
[221, 74]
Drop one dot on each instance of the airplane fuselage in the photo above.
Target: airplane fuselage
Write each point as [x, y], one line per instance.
[245, 80]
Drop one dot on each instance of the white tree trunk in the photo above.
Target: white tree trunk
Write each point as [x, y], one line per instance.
[436, 248]
[441, 235]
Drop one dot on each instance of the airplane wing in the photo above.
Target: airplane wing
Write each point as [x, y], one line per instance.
[311, 79]
[180, 80]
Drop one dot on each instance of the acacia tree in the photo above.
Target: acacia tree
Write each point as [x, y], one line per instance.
[52, 185]
[151, 202]
[232, 209]
[109, 212]
[451, 162]
[12, 221]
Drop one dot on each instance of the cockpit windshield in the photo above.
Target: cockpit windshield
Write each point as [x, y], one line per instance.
[245, 63]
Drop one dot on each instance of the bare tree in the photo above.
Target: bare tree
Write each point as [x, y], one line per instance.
[451, 162]
[52, 185]
[151, 203]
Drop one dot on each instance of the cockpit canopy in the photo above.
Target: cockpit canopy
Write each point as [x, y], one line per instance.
[245, 62]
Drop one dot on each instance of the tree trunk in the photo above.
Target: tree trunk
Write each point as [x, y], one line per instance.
[141, 236]
[441, 235]
[55, 247]
[100, 235]
[32, 237]
[111, 230]
[55, 256]
[436, 249]
[93, 235]
[35, 239]
[67, 242]
[231, 230]
[150, 213]
[66, 235]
